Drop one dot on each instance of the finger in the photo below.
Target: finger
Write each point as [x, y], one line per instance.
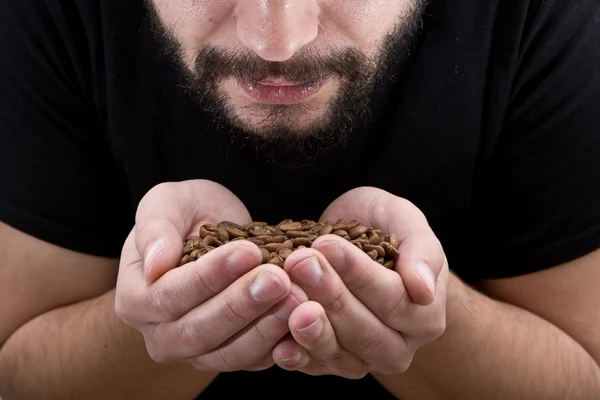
[422, 251]
[357, 329]
[171, 211]
[312, 330]
[211, 324]
[289, 355]
[381, 290]
[181, 289]
[256, 341]
[420, 264]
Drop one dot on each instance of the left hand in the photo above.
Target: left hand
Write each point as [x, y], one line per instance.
[363, 317]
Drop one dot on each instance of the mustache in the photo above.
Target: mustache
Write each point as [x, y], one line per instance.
[214, 63]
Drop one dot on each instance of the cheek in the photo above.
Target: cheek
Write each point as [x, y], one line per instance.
[194, 22]
[362, 22]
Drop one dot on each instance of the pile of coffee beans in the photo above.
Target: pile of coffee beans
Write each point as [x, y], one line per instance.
[277, 242]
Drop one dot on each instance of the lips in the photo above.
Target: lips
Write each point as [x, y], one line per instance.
[280, 90]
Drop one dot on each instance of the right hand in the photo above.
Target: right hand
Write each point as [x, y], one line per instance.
[221, 313]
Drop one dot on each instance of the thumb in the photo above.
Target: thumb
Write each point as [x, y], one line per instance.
[171, 211]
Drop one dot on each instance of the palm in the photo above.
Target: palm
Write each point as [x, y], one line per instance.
[212, 203]
[377, 208]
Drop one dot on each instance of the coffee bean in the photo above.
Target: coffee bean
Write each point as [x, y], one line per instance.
[254, 224]
[295, 234]
[188, 248]
[222, 233]
[301, 241]
[390, 250]
[346, 226]
[372, 254]
[229, 224]
[266, 254]
[235, 232]
[259, 231]
[277, 242]
[272, 247]
[326, 230]
[207, 230]
[196, 253]
[284, 252]
[380, 251]
[185, 259]
[358, 231]
[212, 241]
[290, 226]
[256, 241]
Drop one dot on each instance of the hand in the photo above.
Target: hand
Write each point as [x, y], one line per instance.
[223, 312]
[362, 317]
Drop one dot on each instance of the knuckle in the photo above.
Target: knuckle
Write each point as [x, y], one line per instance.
[362, 281]
[156, 353]
[437, 328]
[402, 364]
[125, 306]
[397, 306]
[336, 358]
[357, 374]
[399, 368]
[200, 281]
[265, 363]
[229, 363]
[264, 335]
[371, 343]
[123, 311]
[335, 304]
[191, 336]
[230, 312]
[160, 302]
[398, 364]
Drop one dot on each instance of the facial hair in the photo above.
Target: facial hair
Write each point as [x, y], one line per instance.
[275, 140]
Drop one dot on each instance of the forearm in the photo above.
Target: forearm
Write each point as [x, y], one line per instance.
[84, 352]
[492, 350]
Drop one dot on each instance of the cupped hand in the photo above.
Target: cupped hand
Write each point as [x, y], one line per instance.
[362, 317]
[220, 313]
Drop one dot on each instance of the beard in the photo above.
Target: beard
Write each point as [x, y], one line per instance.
[279, 137]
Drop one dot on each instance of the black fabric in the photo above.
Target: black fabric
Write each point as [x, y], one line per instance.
[491, 128]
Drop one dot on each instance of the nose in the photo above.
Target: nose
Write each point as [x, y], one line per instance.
[276, 29]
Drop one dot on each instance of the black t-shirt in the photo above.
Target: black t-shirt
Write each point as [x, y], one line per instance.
[492, 128]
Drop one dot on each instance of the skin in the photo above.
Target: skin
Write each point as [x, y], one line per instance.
[67, 332]
[277, 30]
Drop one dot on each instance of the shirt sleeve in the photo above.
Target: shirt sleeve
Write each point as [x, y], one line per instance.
[58, 181]
[540, 204]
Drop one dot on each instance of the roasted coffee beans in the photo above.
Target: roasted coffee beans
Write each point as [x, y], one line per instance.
[277, 242]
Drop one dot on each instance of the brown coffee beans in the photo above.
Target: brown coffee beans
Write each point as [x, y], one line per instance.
[277, 242]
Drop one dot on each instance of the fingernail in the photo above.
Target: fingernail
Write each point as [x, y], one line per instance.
[293, 360]
[313, 330]
[266, 287]
[335, 253]
[426, 274]
[308, 272]
[287, 308]
[237, 262]
[151, 251]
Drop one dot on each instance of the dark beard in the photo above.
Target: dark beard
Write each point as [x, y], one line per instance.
[275, 141]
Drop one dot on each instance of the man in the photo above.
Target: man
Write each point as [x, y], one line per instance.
[469, 129]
